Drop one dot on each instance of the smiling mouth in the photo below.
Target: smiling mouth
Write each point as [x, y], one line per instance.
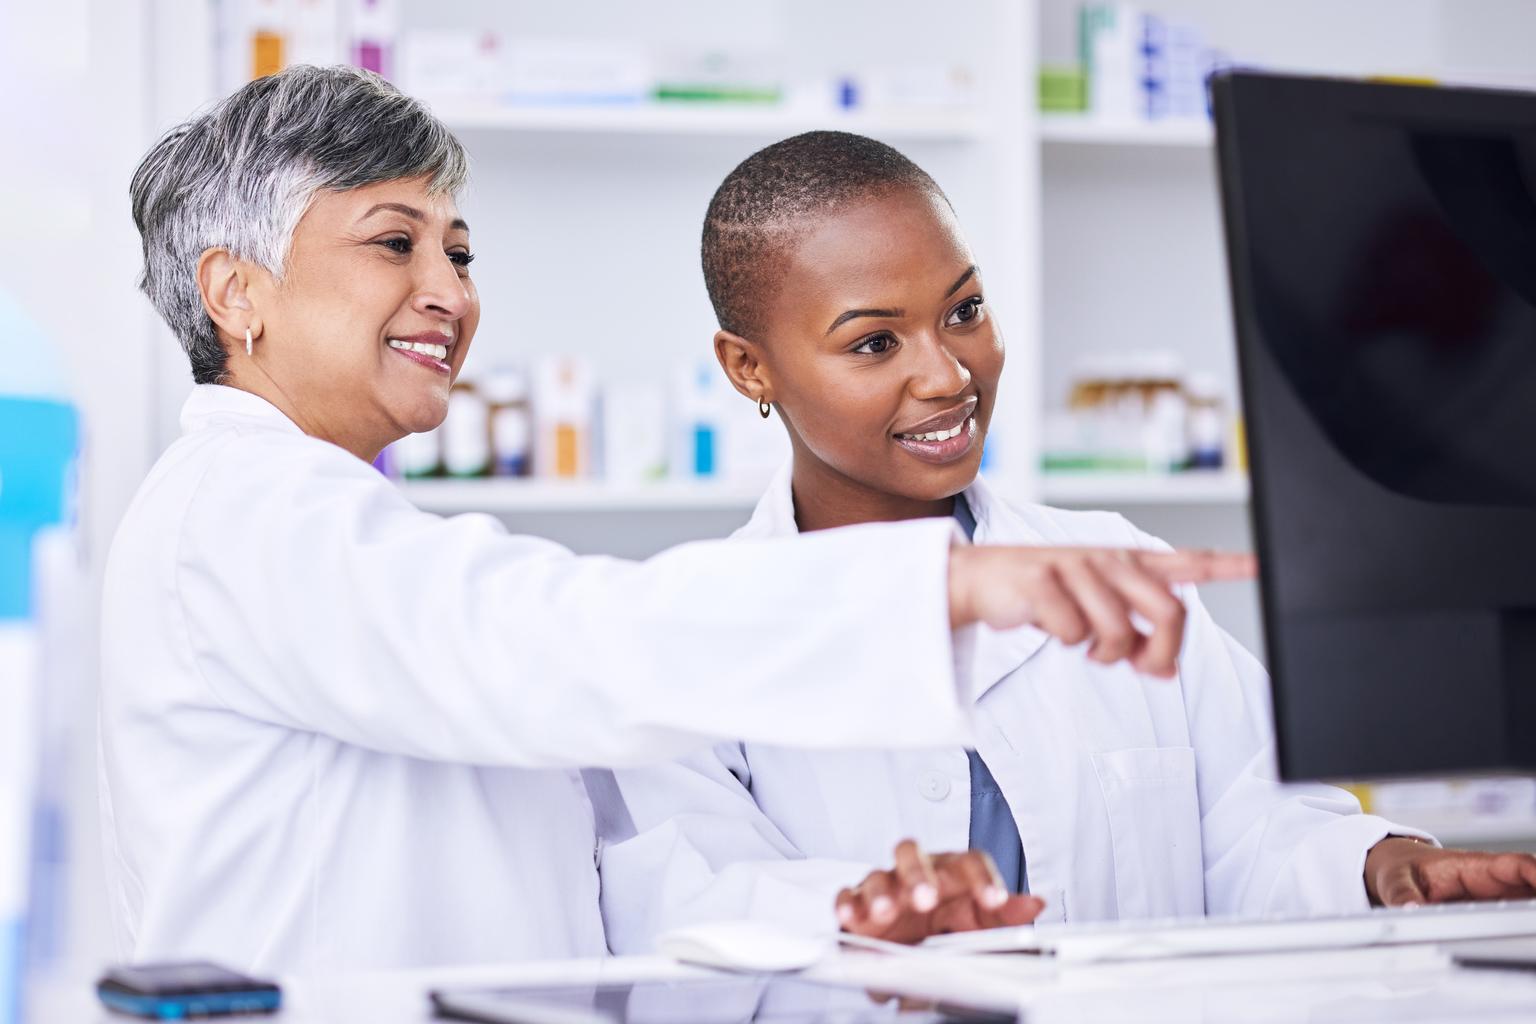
[944, 425]
[941, 447]
[428, 354]
[944, 438]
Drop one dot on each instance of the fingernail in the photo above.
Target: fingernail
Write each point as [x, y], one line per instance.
[844, 914]
[925, 897]
[994, 897]
[882, 909]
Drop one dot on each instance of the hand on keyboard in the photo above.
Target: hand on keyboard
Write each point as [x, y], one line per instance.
[1402, 872]
[923, 896]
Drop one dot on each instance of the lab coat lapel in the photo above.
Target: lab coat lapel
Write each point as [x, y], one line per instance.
[774, 515]
[993, 655]
[209, 402]
[997, 654]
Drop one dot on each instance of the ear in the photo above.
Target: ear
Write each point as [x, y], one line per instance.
[225, 285]
[743, 363]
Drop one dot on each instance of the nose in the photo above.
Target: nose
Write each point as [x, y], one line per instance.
[441, 293]
[937, 373]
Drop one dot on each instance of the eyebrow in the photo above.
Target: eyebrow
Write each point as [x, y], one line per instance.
[854, 314]
[415, 214]
[970, 272]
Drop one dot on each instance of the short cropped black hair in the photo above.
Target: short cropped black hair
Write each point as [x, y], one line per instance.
[760, 208]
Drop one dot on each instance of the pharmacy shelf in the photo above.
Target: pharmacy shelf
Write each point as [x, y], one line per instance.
[1111, 490]
[732, 120]
[1107, 490]
[505, 497]
[1073, 129]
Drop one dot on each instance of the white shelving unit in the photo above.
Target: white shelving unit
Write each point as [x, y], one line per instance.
[1110, 490]
[1079, 490]
[517, 497]
[1465, 831]
[1069, 129]
[742, 121]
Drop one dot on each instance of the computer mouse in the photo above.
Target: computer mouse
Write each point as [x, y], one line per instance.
[745, 946]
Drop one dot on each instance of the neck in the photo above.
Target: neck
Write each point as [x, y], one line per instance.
[252, 378]
[825, 499]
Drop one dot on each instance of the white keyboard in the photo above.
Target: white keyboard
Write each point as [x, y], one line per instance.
[1214, 936]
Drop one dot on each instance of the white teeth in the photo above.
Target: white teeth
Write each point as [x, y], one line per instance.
[936, 435]
[435, 351]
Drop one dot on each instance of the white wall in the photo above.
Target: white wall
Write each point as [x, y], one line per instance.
[73, 83]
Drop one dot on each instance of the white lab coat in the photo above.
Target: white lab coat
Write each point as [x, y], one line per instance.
[1134, 796]
[339, 732]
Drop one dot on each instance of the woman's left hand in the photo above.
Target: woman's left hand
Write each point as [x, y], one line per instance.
[1403, 872]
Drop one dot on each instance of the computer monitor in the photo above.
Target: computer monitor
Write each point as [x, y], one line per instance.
[1382, 246]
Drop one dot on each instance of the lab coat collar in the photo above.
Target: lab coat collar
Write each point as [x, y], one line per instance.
[211, 402]
[994, 655]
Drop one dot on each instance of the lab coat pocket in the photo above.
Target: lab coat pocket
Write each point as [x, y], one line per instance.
[1154, 823]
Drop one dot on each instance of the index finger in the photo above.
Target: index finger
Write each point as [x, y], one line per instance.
[1198, 566]
[914, 869]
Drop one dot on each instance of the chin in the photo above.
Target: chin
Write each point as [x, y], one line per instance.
[936, 484]
[422, 413]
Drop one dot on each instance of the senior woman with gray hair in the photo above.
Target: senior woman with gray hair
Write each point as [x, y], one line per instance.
[338, 731]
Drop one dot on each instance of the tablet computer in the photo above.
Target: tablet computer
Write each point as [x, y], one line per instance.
[762, 999]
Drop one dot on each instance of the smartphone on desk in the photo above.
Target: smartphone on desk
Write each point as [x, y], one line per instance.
[177, 991]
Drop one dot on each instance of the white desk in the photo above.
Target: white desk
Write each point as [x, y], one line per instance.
[1404, 984]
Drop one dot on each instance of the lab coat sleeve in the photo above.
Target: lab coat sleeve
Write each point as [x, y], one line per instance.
[317, 598]
[1269, 847]
[690, 845]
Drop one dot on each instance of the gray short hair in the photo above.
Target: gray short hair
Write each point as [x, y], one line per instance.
[240, 176]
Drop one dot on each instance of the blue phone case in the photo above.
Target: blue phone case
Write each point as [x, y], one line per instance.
[181, 1007]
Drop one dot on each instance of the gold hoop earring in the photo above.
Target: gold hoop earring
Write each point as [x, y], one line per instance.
[763, 407]
[247, 341]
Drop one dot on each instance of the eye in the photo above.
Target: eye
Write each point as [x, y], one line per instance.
[966, 312]
[399, 245]
[875, 345]
[461, 259]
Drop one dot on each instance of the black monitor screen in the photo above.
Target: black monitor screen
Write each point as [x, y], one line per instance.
[1382, 241]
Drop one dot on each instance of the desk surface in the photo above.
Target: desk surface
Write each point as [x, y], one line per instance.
[1403, 984]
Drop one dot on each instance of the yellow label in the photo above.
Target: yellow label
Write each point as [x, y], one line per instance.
[1404, 79]
[567, 451]
[266, 54]
[1362, 792]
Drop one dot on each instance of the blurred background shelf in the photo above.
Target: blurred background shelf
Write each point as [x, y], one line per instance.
[1073, 128]
[1462, 831]
[1108, 490]
[517, 496]
[512, 496]
[731, 121]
